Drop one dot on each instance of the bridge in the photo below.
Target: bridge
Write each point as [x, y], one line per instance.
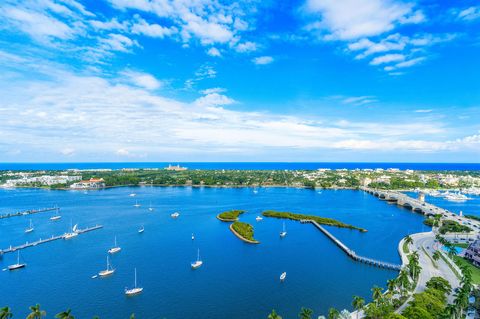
[350, 252]
[12, 249]
[403, 200]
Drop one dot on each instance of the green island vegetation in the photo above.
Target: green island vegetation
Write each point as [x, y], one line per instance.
[451, 226]
[321, 178]
[462, 262]
[318, 219]
[230, 216]
[245, 231]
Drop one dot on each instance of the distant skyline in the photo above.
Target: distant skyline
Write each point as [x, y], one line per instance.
[204, 80]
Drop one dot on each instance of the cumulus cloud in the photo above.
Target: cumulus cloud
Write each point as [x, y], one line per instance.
[143, 80]
[469, 14]
[262, 60]
[214, 52]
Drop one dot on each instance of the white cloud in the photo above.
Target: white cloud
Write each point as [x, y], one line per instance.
[118, 42]
[112, 24]
[470, 14]
[213, 99]
[213, 90]
[423, 111]
[151, 30]
[143, 80]
[353, 19]
[214, 52]
[360, 100]
[68, 151]
[246, 47]
[387, 58]
[122, 152]
[262, 60]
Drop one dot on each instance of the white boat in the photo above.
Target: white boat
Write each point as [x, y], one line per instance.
[141, 230]
[193, 236]
[283, 276]
[30, 228]
[107, 272]
[150, 208]
[255, 191]
[135, 290]
[114, 249]
[198, 263]
[283, 233]
[73, 232]
[456, 197]
[94, 276]
[18, 265]
[132, 195]
[259, 218]
[56, 216]
[136, 204]
[175, 215]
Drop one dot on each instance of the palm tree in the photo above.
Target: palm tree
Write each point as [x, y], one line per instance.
[358, 303]
[6, 313]
[65, 315]
[452, 252]
[450, 312]
[461, 301]
[376, 294]
[36, 313]
[408, 240]
[274, 315]
[333, 313]
[436, 255]
[391, 285]
[305, 313]
[402, 280]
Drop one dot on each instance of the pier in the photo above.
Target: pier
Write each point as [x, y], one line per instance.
[28, 212]
[403, 200]
[350, 252]
[12, 249]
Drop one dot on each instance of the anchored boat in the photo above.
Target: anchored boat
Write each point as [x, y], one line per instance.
[18, 265]
[107, 272]
[198, 263]
[135, 290]
[114, 249]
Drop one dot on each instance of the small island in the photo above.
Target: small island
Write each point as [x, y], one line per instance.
[243, 231]
[318, 219]
[230, 216]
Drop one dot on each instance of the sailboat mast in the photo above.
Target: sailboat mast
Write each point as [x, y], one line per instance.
[135, 277]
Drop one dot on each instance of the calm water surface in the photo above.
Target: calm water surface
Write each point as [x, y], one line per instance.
[237, 280]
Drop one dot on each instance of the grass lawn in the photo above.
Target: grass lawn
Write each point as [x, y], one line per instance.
[475, 270]
[405, 247]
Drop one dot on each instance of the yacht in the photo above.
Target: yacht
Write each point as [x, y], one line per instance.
[114, 249]
[283, 233]
[141, 230]
[456, 197]
[107, 272]
[150, 208]
[18, 265]
[56, 216]
[259, 218]
[30, 228]
[73, 233]
[132, 195]
[193, 236]
[283, 276]
[198, 263]
[136, 204]
[135, 290]
[175, 215]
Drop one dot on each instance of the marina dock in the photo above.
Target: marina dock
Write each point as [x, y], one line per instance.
[12, 249]
[350, 252]
[28, 212]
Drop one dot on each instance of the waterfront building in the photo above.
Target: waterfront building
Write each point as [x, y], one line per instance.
[175, 168]
[473, 252]
[92, 183]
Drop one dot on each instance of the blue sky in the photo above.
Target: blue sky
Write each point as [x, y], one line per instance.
[205, 80]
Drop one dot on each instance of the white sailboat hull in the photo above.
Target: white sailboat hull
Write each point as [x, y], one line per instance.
[133, 291]
[16, 266]
[114, 250]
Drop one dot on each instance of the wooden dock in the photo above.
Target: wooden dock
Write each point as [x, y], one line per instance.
[351, 253]
[11, 249]
[28, 212]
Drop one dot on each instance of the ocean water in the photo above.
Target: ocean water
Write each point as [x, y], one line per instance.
[237, 280]
[243, 165]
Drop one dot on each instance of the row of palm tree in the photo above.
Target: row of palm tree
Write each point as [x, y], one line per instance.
[37, 313]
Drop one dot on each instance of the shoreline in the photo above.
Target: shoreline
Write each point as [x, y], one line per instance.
[248, 241]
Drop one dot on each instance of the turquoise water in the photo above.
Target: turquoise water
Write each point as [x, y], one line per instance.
[237, 280]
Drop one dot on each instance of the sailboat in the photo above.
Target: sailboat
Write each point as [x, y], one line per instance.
[114, 249]
[18, 265]
[150, 208]
[135, 290]
[30, 228]
[193, 236]
[56, 216]
[198, 263]
[175, 215]
[283, 276]
[137, 204]
[108, 271]
[283, 233]
[259, 218]
[73, 233]
[132, 195]
[141, 230]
